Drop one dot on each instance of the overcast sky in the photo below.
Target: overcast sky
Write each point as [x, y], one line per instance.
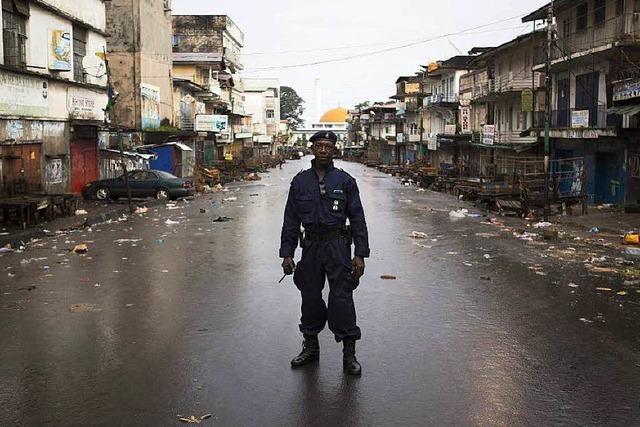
[277, 30]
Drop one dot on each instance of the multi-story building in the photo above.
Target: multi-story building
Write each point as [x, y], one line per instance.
[441, 111]
[207, 52]
[410, 95]
[139, 51]
[52, 94]
[378, 124]
[595, 106]
[262, 102]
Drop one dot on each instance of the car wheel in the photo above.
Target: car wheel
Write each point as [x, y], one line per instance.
[162, 194]
[102, 193]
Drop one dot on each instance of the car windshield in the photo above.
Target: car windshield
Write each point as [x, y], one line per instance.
[165, 175]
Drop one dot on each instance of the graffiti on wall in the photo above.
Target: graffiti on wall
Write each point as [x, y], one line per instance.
[60, 52]
[150, 106]
[55, 172]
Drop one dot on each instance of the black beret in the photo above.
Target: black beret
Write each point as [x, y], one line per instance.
[328, 135]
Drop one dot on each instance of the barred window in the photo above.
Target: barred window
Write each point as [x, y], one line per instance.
[582, 17]
[599, 13]
[14, 37]
[79, 52]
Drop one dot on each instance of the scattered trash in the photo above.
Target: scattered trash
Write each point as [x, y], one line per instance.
[632, 251]
[171, 222]
[542, 225]
[82, 308]
[160, 241]
[418, 235]
[631, 282]
[81, 249]
[487, 235]
[254, 195]
[604, 289]
[252, 177]
[582, 319]
[388, 277]
[6, 249]
[485, 278]
[28, 288]
[573, 285]
[594, 230]
[120, 241]
[602, 269]
[81, 212]
[141, 210]
[487, 256]
[541, 273]
[468, 264]
[172, 206]
[405, 201]
[452, 253]
[215, 205]
[230, 199]
[223, 219]
[420, 190]
[460, 213]
[621, 293]
[203, 211]
[193, 419]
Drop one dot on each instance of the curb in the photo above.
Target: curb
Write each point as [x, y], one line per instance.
[20, 238]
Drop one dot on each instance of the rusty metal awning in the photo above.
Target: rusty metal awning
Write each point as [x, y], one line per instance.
[629, 110]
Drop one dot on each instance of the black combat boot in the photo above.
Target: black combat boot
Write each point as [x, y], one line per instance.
[349, 362]
[310, 352]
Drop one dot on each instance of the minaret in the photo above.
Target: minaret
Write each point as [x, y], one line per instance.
[318, 102]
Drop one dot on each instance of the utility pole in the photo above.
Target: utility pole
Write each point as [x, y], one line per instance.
[547, 120]
[112, 101]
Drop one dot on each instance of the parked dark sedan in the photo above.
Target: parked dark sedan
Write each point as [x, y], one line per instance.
[143, 183]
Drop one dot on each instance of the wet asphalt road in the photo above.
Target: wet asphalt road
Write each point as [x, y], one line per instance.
[190, 320]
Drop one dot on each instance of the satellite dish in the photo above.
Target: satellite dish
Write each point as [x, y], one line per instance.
[93, 65]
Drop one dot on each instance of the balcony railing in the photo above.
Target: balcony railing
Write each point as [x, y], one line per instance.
[596, 117]
[412, 137]
[442, 98]
[503, 137]
[514, 82]
[622, 28]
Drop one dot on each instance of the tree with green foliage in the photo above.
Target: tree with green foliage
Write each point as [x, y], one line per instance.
[291, 107]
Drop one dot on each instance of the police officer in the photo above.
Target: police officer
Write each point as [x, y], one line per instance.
[322, 198]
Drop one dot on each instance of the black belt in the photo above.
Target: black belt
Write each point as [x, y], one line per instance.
[327, 235]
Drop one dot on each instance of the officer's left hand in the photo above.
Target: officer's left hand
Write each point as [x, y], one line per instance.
[358, 267]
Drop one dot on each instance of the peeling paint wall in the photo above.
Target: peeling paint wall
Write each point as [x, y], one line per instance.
[140, 53]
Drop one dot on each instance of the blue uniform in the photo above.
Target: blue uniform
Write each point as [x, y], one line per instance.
[322, 208]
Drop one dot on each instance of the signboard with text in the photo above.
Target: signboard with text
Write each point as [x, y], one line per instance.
[23, 95]
[488, 134]
[212, 123]
[580, 119]
[465, 120]
[627, 89]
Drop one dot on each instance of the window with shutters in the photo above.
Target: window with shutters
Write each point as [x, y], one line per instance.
[599, 13]
[79, 52]
[14, 36]
[582, 17]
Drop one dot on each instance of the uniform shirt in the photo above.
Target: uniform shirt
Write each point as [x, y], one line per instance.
[319, 212]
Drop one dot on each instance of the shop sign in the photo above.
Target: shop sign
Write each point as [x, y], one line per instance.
[465, 119]
[488, 134]
[212, 123]
[627, 89]
[85, 105]
[449, 129]
[580, 119]
[23, 95]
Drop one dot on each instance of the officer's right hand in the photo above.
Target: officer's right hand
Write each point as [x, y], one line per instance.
[288, 266]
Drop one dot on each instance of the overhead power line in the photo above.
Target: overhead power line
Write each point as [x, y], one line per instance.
[355, 46]
[376, 52]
